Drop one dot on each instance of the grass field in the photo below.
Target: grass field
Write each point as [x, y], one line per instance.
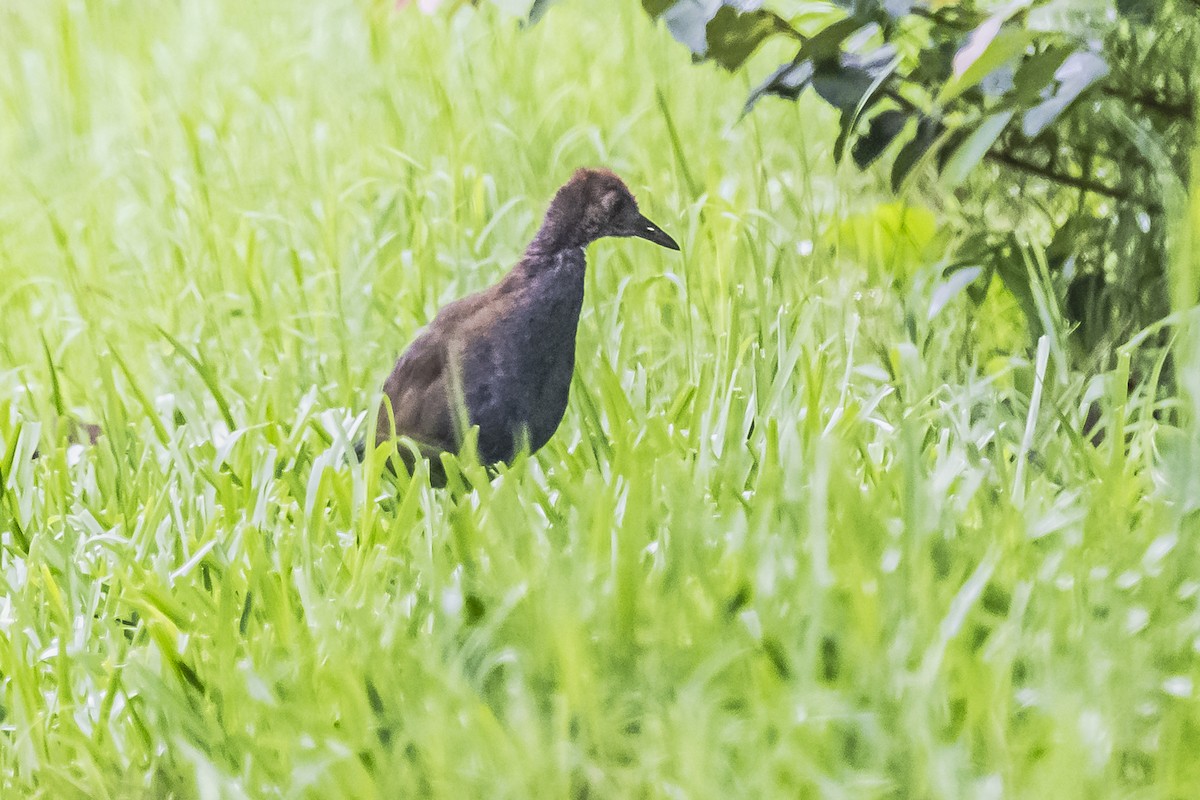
[796, 537]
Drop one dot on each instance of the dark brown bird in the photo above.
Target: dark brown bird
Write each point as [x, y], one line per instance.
[504, 356]
[78, 433]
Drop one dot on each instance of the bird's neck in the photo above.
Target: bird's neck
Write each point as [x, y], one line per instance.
[559, 270]
[552, 240]
[564, 227]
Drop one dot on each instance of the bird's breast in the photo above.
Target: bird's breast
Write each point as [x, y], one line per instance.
[519, 377]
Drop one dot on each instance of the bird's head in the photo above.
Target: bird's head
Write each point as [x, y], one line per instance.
[593, 204]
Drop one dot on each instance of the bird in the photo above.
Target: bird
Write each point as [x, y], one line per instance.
[502, 359]
[78, 433]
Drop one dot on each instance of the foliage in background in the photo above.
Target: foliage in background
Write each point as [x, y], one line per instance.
[1057, 123]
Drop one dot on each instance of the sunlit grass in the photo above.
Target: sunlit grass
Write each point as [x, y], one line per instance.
[793, 538]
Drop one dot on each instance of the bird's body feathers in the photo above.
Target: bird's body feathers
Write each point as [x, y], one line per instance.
[502, 359]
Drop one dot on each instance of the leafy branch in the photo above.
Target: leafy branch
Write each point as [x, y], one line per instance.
[988, 87]
[950, 87]
[1009, 159]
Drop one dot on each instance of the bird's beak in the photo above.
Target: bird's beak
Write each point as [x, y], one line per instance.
[647, 230]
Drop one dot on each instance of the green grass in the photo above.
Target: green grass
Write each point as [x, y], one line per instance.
[793, 539]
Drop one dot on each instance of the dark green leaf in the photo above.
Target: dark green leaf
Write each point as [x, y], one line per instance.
[825, 46]
[977, 290]
[732, 36]
[60, 407]
[853, 86]
[883, 129]
[787, 82]
[827, 43]
[950, 143]
[928, 130]
[1036, 73]
[950, 19]
[935, 64]
[1076, 74]
[656, 7]
[1138, 10]
[538, 10]
[841, 87]
[845, 126]
[877, 10]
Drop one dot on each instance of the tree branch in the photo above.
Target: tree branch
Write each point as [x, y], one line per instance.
[1007, 159]
[1183, 111]
[894, 95]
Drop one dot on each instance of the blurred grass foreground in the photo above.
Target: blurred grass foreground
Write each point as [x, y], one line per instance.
[813, 525]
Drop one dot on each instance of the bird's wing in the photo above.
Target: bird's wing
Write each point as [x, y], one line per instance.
[419, 392]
